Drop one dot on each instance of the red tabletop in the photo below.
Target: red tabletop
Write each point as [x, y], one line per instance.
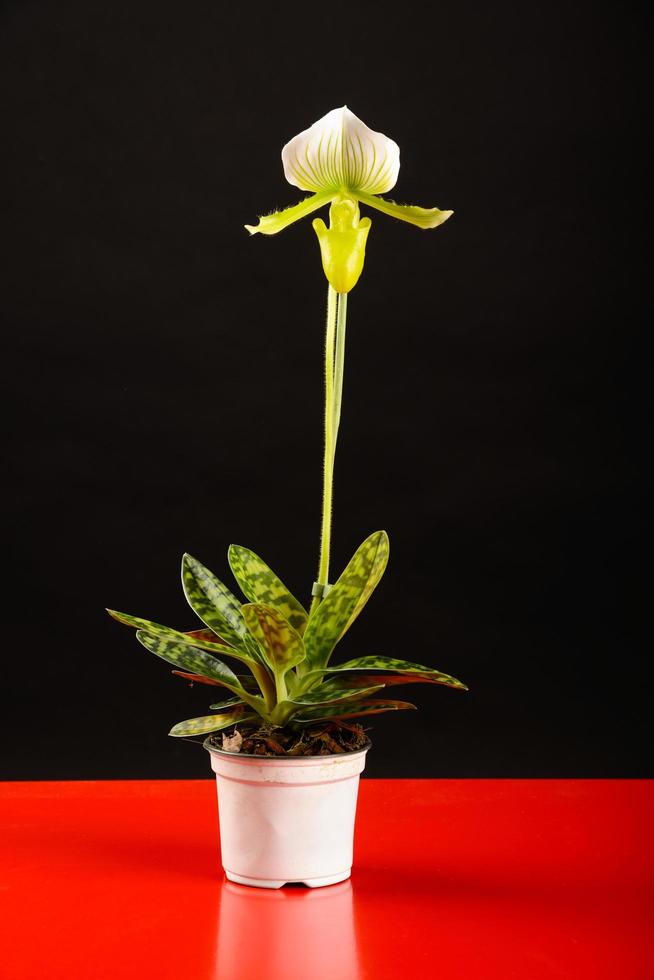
[453, 879]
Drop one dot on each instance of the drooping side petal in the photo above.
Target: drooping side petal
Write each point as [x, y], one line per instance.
[340, 151]
[270, 224]
[421, 217]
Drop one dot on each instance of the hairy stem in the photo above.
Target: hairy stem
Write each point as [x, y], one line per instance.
[334, 367]
[339, 361]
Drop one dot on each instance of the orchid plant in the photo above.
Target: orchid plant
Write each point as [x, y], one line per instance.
[286, 648]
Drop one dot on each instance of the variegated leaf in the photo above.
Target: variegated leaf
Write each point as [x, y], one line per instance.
[260, 584]
[244, 680]
[201, 638]
[197, 678]
[227, 703]
[281, 646]
[204, 639]
[346, 599]
[356, 710]
[365, 680]
[331, 695]
[213, 602]
[208, 723]
[190, 658]
[205, 636]
[397, 666]
[293, 682]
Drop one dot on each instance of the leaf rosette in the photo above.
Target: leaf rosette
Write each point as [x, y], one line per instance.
[286, 650]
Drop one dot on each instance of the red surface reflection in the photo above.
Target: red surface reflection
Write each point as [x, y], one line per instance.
[292, 932]
[453, 879]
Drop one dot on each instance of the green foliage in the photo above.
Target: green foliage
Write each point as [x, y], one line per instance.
[227, 703]
[371, 707]
[259, 583]
[346, 599]
[189, 657]
[208, 724]
[286, 650]
[201, 639]
[280, 645]
[216, 606]
[402, 667]
[326, 694]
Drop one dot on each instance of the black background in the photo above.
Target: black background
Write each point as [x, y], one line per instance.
[165, 370]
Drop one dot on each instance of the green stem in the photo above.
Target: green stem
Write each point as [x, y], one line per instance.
[334, 366]
[281, 693]
[339, 361]
[266, 684]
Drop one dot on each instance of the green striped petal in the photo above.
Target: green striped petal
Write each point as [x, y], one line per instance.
[357, 710]
[340, 152]
[260, 584]
[395, 665]
[421, 217]
[207, 724]
[270, 224]
[346, 599]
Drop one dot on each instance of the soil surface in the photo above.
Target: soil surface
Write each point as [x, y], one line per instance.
[329, 739]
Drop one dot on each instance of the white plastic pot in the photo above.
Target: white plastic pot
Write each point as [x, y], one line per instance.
[287, 819]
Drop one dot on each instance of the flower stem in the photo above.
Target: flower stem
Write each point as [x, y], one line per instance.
[334, 366]
[339, 360]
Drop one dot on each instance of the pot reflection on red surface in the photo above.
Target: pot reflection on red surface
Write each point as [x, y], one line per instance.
[453, 880]
[292, 932]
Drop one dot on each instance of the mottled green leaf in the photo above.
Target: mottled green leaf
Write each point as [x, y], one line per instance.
[365, 680]
[213, 602]
[245, 680]
[205, 636]
[403, 667]
[200, 638]
[293, 681]
[197, 678]
[356, 710]
[260, 584]
[188, 657]
[199, 662]
[346, 599]
[204, 639]
[280, 645]
[331, 695]
[227, 703]
[208, 723]
[157, 629]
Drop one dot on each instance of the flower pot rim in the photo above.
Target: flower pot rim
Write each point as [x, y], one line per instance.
[285, 758]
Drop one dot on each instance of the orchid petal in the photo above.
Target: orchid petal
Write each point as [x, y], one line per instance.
[343, 244]
[270, 224]
[421, 217]
[340, 151]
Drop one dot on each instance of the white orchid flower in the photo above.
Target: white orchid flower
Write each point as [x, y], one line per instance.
[343, 163]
